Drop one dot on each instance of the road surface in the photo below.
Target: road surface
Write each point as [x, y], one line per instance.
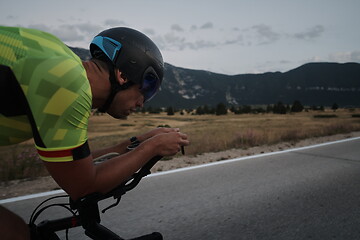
[307, 193]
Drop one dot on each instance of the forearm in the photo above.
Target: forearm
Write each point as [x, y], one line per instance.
[119, 148]
[81, 177]
[111, 173]
[122, 147]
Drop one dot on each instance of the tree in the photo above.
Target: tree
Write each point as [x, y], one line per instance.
[206, 109]
[221, 109]
[279, 108]
[297, 107]
[269, 108]
[154, 110]
[200, 110]
[246, 109]
[170, 111]
[335, 107]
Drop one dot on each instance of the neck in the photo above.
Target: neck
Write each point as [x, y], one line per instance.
[98, 77]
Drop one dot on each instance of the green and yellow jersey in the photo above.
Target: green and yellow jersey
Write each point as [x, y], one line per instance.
[44, 93]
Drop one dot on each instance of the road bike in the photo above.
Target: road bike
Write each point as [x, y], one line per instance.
[85, 211]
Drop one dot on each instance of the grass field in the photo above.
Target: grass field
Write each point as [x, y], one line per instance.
[207, 133]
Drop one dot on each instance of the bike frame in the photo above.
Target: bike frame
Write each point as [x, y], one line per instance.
[86, 213]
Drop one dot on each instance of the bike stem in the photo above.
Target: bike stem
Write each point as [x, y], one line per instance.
[89, 209]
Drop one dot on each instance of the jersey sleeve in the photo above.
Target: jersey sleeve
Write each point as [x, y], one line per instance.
[61, 106]
[57, 93]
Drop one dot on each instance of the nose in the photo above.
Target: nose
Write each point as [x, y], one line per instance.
[140, 103]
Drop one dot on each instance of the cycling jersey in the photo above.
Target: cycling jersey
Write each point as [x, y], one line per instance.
[44, 94]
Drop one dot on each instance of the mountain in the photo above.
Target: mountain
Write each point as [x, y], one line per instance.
[84, 54]
[311, 84]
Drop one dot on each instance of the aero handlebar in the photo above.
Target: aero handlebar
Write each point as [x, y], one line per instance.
[86, 212]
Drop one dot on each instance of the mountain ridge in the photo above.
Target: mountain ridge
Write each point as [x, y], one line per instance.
[313, 84]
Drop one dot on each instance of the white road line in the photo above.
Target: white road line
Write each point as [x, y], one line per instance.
[250, 157]
[26, 197]
[45, 194]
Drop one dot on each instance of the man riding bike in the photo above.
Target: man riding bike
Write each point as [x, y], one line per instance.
[47, 93]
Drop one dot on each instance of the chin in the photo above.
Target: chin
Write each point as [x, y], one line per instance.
[119, 116]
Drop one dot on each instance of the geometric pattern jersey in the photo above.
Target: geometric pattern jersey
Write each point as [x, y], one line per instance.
[56, 92]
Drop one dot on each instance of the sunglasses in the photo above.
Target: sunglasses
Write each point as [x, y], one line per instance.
[150, 87]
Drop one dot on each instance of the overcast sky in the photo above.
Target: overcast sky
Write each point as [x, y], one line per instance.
[227, 36]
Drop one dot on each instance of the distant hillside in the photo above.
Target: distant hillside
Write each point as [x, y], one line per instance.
[84, 54]
[311, 84]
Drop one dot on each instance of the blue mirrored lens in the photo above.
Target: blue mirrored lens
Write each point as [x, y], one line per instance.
[149, 88]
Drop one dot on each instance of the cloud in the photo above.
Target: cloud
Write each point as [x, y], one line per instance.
[88, 28]
[311, 33]
[207, 25]
[237, 39]
[68, 33]
[201, 44]
[71, 32]
[77, 32]
[339, 57]
[176, 27]
[313, 59]
[114, 22]
[265, 34]
[193, 28]
[353, 56]
[171, 40]
[149, 31]
[41, 27]
[196, 38]
[11, 17]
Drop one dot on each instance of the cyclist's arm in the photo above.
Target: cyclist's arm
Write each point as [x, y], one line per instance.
[81, 177]
[122, 147]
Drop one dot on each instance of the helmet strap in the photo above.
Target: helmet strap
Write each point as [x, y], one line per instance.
[115, 87]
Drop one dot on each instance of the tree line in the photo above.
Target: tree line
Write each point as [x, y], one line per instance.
[222, 109]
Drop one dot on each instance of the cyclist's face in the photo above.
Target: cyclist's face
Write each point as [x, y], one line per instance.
[126, 102]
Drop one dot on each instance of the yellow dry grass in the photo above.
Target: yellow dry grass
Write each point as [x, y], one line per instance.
[210, 133]
[207, 133]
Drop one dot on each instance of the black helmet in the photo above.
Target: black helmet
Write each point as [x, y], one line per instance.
[134, 54]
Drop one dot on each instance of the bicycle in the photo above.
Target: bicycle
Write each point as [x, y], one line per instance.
[85, 211]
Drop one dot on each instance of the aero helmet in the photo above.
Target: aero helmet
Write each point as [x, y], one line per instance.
[135, 55]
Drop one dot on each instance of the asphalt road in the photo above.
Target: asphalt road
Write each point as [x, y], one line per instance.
[309, 193]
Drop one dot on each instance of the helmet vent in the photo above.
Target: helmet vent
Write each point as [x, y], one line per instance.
[110, 48]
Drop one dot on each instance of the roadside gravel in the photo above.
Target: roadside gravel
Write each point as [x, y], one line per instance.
[43, 184]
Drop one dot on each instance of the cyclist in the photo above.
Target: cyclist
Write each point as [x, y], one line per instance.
[47, 93]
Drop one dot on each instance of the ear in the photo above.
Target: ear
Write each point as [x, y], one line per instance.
[119, 78]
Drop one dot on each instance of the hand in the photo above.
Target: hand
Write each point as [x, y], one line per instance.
[155, 132]
[168, 144]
